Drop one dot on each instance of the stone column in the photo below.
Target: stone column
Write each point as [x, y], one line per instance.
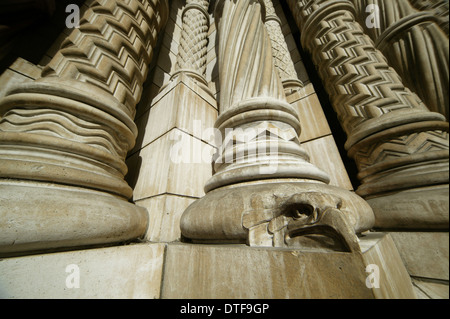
[400, 147]
[281, 55]
[191, 57]
[439, 8]
[264, 191]
[414, 46]
[64, 137]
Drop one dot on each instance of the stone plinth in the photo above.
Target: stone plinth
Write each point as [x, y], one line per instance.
[187, 271]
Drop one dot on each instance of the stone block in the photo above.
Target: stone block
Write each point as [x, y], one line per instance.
[313, 121]
[182, 105]
[393, 282]
[164, 216]
[26, 68]
[325, 155]
[425, 254]
[241, 272]
[132, 271]
[175, 163]
[429, 289]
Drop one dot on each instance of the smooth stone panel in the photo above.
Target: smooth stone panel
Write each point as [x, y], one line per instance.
[133, 271]
[394, 281]
[241, 272]
[425, 254]
[164, 216]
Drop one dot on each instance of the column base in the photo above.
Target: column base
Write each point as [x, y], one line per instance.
[279, 213]
[38, 217]
[417, 208]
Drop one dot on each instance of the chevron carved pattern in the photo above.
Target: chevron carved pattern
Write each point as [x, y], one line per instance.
[357, 77]
[400, 147]
[378, 112]
[415, 47]
[112, 48]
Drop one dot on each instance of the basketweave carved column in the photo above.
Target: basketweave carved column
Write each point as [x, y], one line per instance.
[64, 137]
[281, 55]
[191, 58]
[260, 194]
[415, 47]
[400, 147]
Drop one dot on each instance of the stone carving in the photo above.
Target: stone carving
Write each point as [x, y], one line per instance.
[250, 193]
[415, 47]
[194, 37]
[191, 58]
[397, 142]
[69, 131]
[439, 9]
[281, 54]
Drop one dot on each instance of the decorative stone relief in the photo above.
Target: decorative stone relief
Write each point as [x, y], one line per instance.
[261, 171]
[73, 127]
[194, 37]
[398, 144]
[281, 55]
[414, 46]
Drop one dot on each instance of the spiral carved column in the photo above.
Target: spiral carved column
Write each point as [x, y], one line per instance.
[400, 147]
[64, 137]
[264, 191]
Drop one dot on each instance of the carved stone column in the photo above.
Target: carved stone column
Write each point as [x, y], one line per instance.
[415, 47]
[264, 191]
[400, 147]
[64, 137]
[281, 55]
[192, 51]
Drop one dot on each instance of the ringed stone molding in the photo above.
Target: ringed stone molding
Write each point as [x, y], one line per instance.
[67, 134]
[397, 143]
[273, 198]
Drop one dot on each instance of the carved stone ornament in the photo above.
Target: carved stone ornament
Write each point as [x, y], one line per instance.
[398, 144]
[64, 137]
[264, 191]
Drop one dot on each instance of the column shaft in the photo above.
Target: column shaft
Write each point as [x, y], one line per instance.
[69, 132]
[264, 191]
[397, 143]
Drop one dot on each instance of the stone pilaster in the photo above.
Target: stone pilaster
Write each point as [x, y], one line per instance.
[264, 191]
[400, 147]
[64, 137]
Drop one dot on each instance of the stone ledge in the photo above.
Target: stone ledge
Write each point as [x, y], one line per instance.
[188, 271]
[132, 271]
